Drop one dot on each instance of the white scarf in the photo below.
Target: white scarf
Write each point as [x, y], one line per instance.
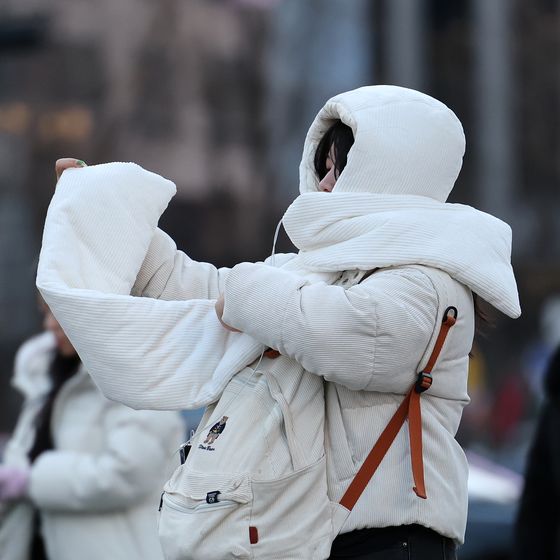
[346, 231]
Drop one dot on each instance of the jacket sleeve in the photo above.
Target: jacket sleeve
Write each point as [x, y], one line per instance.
[131, 466]
[170, 274]
[371, 336]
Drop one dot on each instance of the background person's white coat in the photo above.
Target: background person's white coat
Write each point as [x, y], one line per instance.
[98, 491]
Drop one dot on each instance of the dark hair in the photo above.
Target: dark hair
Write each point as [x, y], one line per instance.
[339, 136]
[552, 376]
[483, 319]
[482, 314]
[61, 368]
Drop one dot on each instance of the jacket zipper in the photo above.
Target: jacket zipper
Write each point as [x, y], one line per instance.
[199, 508]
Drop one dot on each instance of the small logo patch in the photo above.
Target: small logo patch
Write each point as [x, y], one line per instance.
[212, 497]
[214, 434]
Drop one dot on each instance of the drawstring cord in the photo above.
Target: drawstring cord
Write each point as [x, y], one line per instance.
[276, 233]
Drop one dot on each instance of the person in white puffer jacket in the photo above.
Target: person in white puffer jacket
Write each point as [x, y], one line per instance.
[81, 475]
[382, 257]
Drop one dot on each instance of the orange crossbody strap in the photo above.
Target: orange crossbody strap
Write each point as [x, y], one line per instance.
[409, 408]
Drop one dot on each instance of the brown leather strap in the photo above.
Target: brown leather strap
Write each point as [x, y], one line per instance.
[409, 408]
[375, 456]
[415, 436]
[449, 319]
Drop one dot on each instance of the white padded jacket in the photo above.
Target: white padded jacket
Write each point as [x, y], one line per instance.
[387, 212]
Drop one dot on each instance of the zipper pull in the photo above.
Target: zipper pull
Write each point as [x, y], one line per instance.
[185, 448]
[184, 451]
[161, 501]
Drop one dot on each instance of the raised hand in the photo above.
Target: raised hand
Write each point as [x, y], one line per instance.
[67, 163]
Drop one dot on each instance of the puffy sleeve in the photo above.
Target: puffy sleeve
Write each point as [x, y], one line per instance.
[167, 273]
[144, 352]
[371, 336]
[170, 274]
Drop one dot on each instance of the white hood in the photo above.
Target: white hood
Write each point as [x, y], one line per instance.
[405, 142]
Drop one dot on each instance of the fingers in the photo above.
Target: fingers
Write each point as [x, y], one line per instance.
[228, 328]
[67, 163]
[219, 307]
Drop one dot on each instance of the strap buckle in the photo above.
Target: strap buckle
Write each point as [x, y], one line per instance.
[450, 315]
[423, 382]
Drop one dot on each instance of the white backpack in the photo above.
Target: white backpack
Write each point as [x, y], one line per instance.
[252, 486]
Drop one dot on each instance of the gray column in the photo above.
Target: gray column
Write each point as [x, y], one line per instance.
[493, 142]
[316, 50]
[405, 43]
[17, 247]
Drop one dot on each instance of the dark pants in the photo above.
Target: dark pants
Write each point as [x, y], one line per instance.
[407, 542]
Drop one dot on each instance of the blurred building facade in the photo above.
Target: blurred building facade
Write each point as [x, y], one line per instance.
[217, 95]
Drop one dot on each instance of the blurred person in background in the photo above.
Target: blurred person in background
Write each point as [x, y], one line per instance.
[537, 354]
[537, 533]
[383, 262]
[81, 475]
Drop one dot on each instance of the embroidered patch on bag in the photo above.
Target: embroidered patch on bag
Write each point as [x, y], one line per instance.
[214, 434]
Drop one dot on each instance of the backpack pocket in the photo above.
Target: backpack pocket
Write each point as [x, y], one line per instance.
[205, 518]
[213, 517]
[292, 515]
[249, 488]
